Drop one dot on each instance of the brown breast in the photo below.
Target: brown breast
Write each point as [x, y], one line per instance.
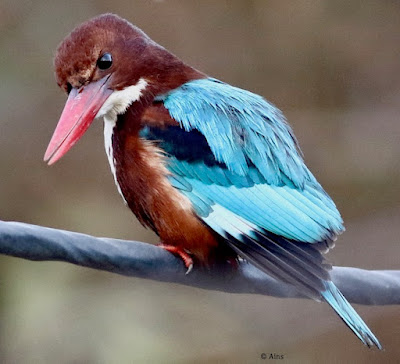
[142, 177]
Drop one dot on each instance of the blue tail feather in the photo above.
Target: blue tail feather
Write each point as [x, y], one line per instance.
[296, 263]
[350, 317]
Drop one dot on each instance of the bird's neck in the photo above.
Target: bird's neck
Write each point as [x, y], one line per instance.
[120, 128]
[135, 163]
[174, 74]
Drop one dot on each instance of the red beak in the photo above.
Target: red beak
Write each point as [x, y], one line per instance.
[79, 112]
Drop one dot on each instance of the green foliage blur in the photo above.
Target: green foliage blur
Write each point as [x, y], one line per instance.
[332, 66]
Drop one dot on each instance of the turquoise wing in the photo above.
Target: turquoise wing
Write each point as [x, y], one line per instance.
[237, 150]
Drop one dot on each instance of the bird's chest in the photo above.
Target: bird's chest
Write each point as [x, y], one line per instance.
[141, 176]
[128, 166]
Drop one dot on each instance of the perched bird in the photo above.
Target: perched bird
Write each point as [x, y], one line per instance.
[213, 169]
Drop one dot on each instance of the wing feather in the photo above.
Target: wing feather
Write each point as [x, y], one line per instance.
[236, 149]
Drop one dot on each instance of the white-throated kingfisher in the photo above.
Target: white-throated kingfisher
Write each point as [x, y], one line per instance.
[213, 169]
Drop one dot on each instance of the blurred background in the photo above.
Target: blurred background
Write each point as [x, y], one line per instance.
[332, 66]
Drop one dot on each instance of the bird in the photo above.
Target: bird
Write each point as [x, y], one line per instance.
[214, 170]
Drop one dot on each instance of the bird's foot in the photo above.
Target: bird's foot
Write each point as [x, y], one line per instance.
[181, 253]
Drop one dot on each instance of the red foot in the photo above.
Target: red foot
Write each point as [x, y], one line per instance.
[187, 259]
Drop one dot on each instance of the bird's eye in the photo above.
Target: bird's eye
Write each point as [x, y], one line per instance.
[105, 61]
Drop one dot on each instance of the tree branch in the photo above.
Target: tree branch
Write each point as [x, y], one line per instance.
[137, 259]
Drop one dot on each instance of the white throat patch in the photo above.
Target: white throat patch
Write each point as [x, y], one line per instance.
[119, 101]
[116, 104]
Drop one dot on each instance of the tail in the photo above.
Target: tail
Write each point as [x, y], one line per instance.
[299, 264]
[350, 317]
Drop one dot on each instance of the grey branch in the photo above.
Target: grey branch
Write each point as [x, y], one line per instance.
[137, 259]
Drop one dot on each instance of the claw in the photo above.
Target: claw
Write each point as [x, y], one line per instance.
[183, 254]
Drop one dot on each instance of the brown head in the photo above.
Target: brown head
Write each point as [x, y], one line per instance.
[106, 65]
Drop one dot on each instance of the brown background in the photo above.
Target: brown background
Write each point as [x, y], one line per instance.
[333, 66]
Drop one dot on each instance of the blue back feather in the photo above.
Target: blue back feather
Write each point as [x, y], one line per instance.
[241, 128]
